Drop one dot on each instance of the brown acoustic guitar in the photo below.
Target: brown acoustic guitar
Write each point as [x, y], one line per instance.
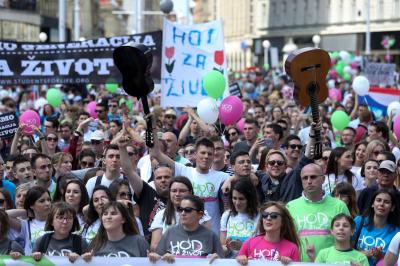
[308, 68]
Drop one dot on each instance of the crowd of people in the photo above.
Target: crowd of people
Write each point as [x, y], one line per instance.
[81, 186]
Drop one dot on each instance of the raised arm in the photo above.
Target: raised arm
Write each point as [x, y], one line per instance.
[185, 131]
[43, 144]
[15, 141]
[122, 139]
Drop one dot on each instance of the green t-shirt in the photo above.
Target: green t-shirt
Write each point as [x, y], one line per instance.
[313, 221]
[333, 256]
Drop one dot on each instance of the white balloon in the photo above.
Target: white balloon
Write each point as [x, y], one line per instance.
[345, 56]
[395, 107]
[207, 110]
[361, 85]
[347, 69]
[331, 84]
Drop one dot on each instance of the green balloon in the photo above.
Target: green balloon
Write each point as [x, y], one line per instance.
[112, 87]
[54, 97]
[129, 104]
[340, 120]
[214, 84]
[339, 67]
[266, 66]
[346, 76]
[335, 55]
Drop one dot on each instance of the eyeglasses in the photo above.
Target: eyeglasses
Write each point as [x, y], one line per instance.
[99, 111]
[273, 162]
[2, 201]
[294, 146]
[125, 195]
[189, 151]
[325, 158]
[87, 164]
[62, 218]
[186, 209]
[95, 142]
[52, 139]
[232, 133]
[169, 117]
[376, 153]
[272, 215]
[112, 105]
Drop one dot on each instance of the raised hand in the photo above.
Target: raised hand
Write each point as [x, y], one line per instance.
[310, 250]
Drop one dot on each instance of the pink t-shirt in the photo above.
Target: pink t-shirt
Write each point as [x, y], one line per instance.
[259, 248]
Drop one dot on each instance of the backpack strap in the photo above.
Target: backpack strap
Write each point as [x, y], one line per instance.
[77, 244]
[358, 233]
[9, 248]
[98, 181]
[44, 243]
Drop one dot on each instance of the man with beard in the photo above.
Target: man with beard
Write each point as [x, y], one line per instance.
[293, 151]
[150, 200]
[347, 138]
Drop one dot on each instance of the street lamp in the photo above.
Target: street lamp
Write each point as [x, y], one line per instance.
[289, 47]
[266, 44]
[42, 36]
[316, 39]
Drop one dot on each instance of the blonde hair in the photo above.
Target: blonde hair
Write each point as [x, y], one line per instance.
[371, 146]
[59, 157]
[271, 152]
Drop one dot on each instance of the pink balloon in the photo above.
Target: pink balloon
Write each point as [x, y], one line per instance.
[230, 110]
[333, 62]
[240, 125]
[354, 65]
[396, 126]
[91, 109]
[29, 118]
[335, 94]
[333, 74]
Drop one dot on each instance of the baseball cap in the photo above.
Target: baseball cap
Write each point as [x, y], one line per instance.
[170, 112]
[388, 165]
[97, 135]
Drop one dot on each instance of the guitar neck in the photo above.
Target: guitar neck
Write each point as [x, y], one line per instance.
[314, 109]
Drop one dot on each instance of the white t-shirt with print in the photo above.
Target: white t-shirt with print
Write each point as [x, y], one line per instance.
[159, 223]
[104, 181]
[240, 226]
[205, 186]
[357, 182]
[36, 230]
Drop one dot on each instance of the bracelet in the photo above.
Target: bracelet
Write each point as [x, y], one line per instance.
[42, 137]
[311, 136]
[78, 133]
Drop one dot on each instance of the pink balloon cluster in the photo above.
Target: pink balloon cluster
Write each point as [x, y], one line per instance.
[230, 110]
[335, 94]
[396, 126]
[91, 109]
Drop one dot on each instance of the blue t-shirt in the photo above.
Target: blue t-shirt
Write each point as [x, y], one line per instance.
[371, 236]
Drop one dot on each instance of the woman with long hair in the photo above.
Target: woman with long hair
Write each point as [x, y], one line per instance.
[61, 223]
[339, 170]
[374, 148]
[75, 194]
[179, 187]
[52, 143]
[115, 127]
[346, 193]
[7, 245]
[31, 220]
[278, 238]
[369, 171]
[342, 228]
[240, 221]
[359, 156]
[62, 163]
[60, 186]
[376, 228]
[101, 196]
[118, 235]
[6, 202]
[202, 242]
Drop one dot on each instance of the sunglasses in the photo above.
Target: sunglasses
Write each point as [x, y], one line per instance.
[125, 195]
[186, 210]
[272, 215]
[294, 146]
[112, 105]
[132, 153]
[99, 111]
[170, 117]
[52, 139]
[189, 151]
[376, 153]
[273, 162]
[232, 133]
[325, 158]
[2, 201]
[95, 142]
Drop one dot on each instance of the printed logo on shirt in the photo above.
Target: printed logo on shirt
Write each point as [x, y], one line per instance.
[206, 190]
[266, 254]
[119, 254]
[187, 248]
[62, 252]
[241, 228]
[316, 220]
[370, 242]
